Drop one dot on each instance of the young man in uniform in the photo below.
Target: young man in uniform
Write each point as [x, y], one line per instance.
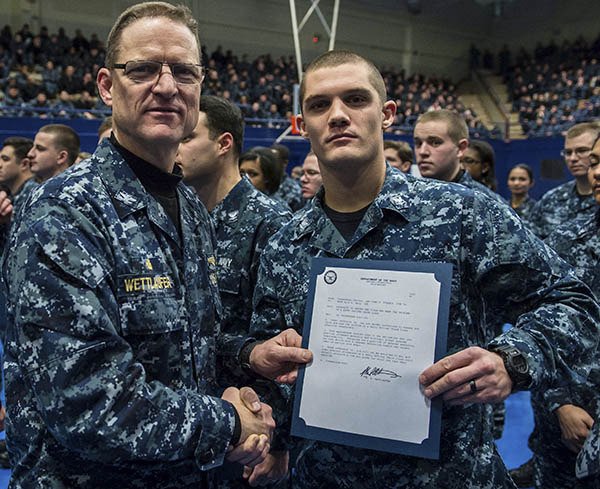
[441, 139]
[55, 148]
[564, 416]
[574, 198]
[367, 211]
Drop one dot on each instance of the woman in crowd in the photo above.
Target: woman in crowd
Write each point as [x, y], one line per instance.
[261, 167]
[479, 161]
[520, 181]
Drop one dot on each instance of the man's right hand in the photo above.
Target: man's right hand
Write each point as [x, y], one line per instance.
[279, 357]
[257, 426]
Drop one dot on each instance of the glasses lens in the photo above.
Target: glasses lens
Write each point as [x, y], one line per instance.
[142, 71]
[578, 151]
[187, 73]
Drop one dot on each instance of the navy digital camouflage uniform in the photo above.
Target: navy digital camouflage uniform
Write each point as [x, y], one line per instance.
[18, 199]
[500, 268]
[111, 338]
[588, 460]
[499, 408]
[289, 191]
[525, 208]
[468, 181]
[559, 205]
[578, 243]
[244, 221]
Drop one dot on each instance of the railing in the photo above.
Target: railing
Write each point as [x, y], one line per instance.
[498, 103]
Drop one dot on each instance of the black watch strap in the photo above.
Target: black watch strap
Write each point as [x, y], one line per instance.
[516, 365]
[244, 355]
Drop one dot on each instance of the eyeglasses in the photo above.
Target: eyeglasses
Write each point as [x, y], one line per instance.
[469, 161]
[143, 71]
[581, 152]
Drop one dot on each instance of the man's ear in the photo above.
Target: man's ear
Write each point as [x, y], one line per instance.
[301, 126]
[389, 113]
[104, 82]
[225, 142]
[24, 164]
[463, 144]
[63, 158]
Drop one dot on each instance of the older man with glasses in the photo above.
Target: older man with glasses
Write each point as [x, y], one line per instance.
[113, 304]
[574, 198]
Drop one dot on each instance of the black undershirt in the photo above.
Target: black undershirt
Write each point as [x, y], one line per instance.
[345, 222]
[160, 184]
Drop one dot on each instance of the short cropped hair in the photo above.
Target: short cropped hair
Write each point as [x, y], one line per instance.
[403, 149]
[457, 127]
[334, 58]
[486, 155]
[176, 13]
[583, 128]
[65, 138]
[223, 116]
[21, 146]
[269, 166]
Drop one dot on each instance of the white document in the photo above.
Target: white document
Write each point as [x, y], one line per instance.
[372, 333]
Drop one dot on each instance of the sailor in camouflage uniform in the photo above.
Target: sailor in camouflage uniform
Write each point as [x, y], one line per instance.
[573, 409]
[289, 190]
[369, 211]
[588, 460]
[434, 162]
[563, 206]
[244, 220]
[112, 294]
[16, 176]
[571, 199]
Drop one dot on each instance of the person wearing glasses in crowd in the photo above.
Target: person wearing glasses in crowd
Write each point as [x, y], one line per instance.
[574, 198]
[564, 204]
[587, 466]
[112, 293]
[311, 180]
[566, 423]
[479, 160]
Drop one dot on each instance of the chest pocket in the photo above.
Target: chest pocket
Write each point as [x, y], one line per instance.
[231, 277]
[153, 321]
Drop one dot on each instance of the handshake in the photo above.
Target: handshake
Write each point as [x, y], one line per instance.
[278, 359]
[257, 423]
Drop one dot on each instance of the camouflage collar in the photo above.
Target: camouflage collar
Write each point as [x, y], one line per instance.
[120, 181]
[394, 196]
[227, 211]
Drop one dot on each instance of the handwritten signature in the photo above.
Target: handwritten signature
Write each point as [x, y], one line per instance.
[377, 371]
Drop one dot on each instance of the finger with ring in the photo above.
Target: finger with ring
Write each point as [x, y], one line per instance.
[473, 386]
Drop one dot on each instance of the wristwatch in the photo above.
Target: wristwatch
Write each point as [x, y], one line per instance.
[516, 365]
[244, 356]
